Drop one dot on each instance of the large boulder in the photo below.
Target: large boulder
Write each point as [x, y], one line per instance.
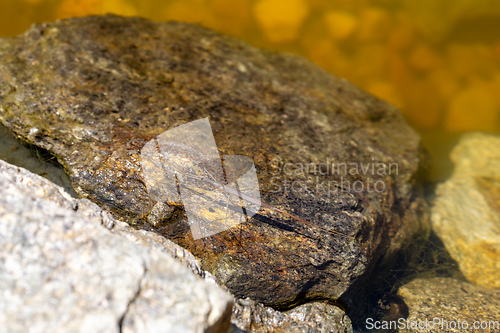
[93, 91]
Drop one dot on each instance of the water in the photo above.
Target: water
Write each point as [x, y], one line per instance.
[438, 61]
[34, 159]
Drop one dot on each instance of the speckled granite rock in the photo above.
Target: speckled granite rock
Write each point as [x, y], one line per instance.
[93, 91]
[62, 271]
[314, 317]
[466, 212]
[452, 301]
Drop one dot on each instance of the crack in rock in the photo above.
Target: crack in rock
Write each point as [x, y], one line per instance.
[134, 298]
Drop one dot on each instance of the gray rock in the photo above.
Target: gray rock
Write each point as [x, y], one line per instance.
[450, 301]
[145, 238]
[93, 91]
[62, 271]
[314, 317]
[466, 211]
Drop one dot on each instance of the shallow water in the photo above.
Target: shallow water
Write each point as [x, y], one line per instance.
[438, 61]
[37, 161]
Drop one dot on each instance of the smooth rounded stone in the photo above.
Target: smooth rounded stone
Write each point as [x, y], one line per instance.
[284, 27]
[62, 271]
[314, 317]
[466, 211]
[459, 118]
[450, 303]
[341, 24]
[93, 91]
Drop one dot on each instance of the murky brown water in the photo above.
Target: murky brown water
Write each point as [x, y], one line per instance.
[438, 61]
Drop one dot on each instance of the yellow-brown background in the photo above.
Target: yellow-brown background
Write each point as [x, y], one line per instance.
[438, 60]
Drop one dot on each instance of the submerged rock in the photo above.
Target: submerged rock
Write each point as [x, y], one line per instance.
[449, 305]
[466, 212]
[62, 271]
[93, 91]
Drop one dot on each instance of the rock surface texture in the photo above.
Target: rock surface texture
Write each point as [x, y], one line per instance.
[93, 91]
[61, 270]
[313, 317]
[466, 212]
[453, 303]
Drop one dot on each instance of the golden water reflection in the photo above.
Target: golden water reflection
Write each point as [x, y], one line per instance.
[439, 61]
